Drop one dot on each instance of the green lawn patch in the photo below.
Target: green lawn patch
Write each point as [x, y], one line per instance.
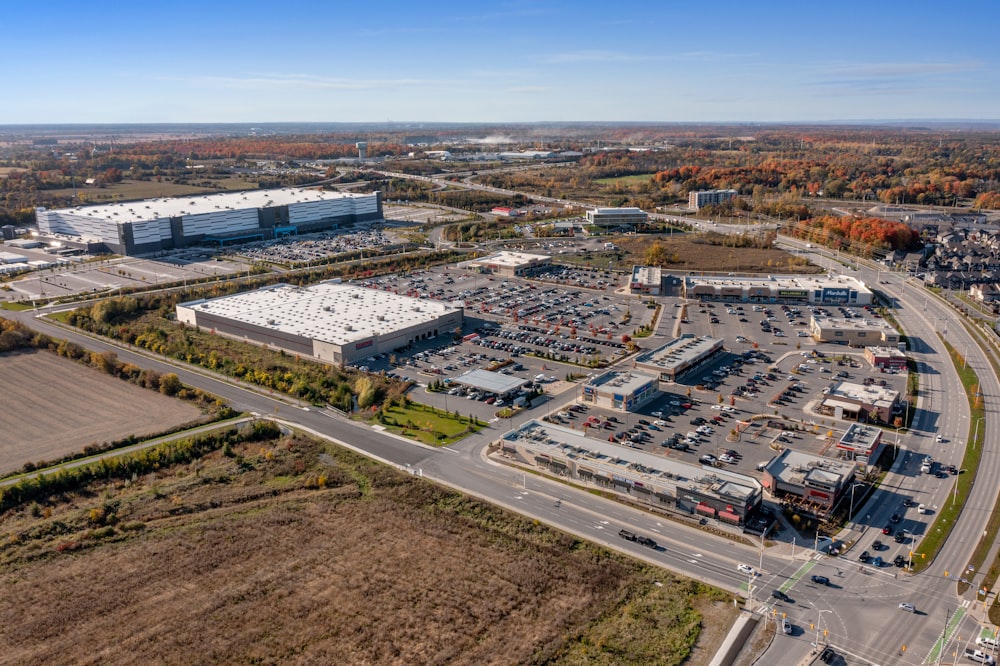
[429, 425]
[14, 306]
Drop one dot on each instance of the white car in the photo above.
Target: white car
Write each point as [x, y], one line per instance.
[747, 569]
[729, 410]
[675, 403]
[786, 626]
[907, 607]
[658, 415]
[660, 424]
[717, 408]
[726, 458]
[939, 439]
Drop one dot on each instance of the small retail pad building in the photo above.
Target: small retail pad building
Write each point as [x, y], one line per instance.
[508, 264]
[643, 477]
[622, 391]
[847, 400]
[671, 361]
[854, 332]
[330, 321]
[807, 482]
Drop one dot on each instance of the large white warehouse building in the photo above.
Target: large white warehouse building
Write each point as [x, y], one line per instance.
[154, 225]
[333, 322]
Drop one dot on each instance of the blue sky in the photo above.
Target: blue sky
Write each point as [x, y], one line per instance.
[545, 60]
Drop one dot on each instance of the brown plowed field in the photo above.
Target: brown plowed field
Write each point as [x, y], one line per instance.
[52, 406]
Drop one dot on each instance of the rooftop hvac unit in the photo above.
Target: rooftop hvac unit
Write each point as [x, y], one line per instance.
[348, 327]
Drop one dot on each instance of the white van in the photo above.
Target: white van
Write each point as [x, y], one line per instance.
[988, 642]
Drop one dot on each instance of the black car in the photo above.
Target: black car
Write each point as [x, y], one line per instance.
[697, 420]
[877, 545]
[644, 422]
[864, 557]
[781, 596]
[821, 580]
[899, 561]
[646, 541]
[907, 502]
[894, 518]
[900, 536]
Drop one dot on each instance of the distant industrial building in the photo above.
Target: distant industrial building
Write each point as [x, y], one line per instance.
[621, 391]
[643, 477]
[857, 402]
[332, 322]
[672, 360]
[886, 358]
[646, 280]
[814, 290]
[709, 197]
[627, 218]
[509, 264]
[806, 482]
[854, 332]
[155, 225]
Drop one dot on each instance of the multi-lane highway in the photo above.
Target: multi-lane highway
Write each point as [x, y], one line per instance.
[858, 612]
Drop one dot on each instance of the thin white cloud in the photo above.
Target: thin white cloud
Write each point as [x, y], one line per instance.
[899, 69]
[571, 57]
[305, 81]
[528, 89]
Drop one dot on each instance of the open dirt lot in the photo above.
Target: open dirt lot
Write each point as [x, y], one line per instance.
[53, 407]
[294, 552]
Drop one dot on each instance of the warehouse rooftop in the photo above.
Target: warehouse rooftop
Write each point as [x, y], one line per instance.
[329, 312]
[152, 209]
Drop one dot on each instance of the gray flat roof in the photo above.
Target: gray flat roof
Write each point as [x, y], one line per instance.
[806, 282]
[617, 459]
[493, 382]
[679, 351]
[330, 312]
[153, 209]
[872, 395]
[795, 467]
[854, 323]
[623, 381]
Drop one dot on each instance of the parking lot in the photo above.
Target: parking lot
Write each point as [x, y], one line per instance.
[761, 374]
[319, 246]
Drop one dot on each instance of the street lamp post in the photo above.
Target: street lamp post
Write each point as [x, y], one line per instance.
[975, 437]
[850, 515]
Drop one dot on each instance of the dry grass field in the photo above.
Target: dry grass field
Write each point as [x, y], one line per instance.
[129, 190]
[53, 407]
[295, 552]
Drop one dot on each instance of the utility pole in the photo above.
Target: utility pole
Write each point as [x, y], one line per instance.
[944, 634]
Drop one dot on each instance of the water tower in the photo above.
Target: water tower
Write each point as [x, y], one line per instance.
[362, 149]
